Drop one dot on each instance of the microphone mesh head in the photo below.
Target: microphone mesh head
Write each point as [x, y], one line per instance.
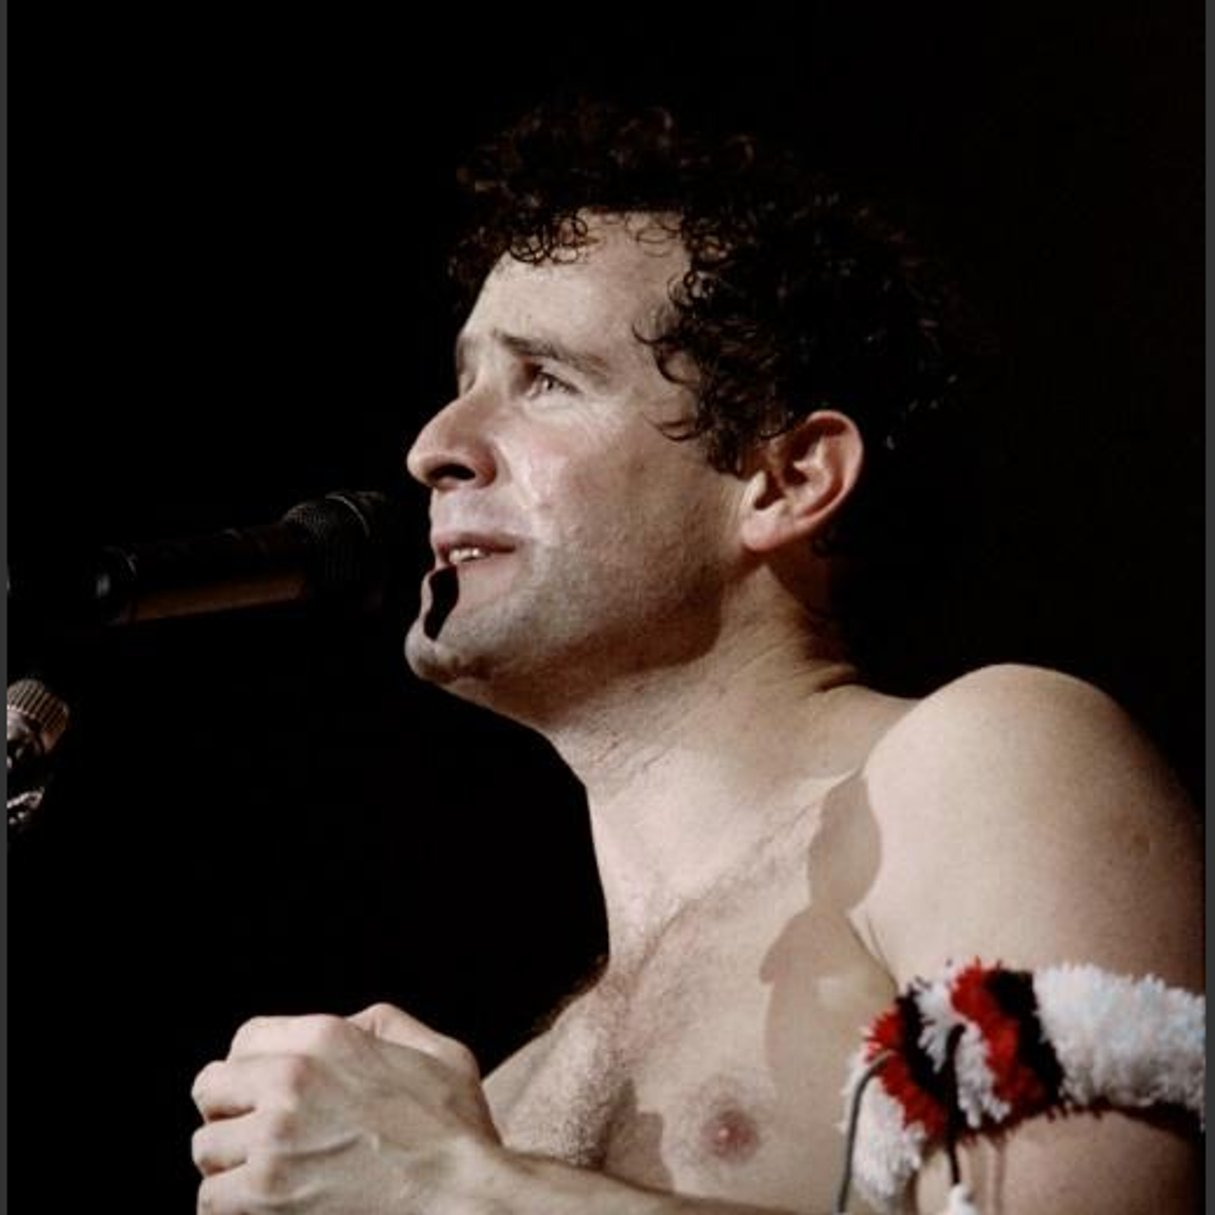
[31, 704]
[355, 536]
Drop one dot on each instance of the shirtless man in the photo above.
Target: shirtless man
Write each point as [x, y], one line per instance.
[781, 848]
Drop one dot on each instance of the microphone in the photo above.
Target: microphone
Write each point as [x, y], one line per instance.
[346, 543]
[37, 717]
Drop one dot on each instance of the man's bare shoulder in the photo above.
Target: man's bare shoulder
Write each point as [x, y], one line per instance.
[1023, 813]
[1010, 730]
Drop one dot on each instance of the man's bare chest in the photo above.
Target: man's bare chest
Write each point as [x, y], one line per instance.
[715, 1070]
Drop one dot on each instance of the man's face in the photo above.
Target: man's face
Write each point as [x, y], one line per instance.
[577, 539]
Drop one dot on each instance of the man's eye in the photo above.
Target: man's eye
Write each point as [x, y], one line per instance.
[545, 382]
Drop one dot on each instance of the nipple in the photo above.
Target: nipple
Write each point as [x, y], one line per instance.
[730, 1135]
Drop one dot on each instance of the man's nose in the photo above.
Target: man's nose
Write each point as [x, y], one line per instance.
[452, 448]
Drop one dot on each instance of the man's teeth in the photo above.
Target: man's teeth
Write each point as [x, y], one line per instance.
[467, 552]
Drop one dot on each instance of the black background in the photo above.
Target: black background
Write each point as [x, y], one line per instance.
[227, 238]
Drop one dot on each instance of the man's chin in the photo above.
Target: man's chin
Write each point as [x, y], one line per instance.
[437, 661]
[423, 656]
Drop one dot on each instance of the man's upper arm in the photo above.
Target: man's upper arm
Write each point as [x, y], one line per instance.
[1025, 821]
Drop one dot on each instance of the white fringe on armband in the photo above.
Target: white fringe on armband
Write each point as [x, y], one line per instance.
[982, 1047]
[1131, 1042]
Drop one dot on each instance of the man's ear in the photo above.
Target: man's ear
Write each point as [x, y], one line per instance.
[799, 480]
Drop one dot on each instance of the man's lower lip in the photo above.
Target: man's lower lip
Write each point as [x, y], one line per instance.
[463, 565]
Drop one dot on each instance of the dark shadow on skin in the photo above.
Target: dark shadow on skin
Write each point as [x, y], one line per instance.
[637, 1138]
[444, 593]
[825, 985]
[820, 942]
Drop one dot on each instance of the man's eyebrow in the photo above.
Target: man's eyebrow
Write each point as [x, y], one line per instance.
[589, 365]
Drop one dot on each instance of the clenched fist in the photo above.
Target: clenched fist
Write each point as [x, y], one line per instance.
[370, 1115]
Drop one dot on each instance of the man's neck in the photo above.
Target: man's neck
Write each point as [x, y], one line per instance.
[690, 771]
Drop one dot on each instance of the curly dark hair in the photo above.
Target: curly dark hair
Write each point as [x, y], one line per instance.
[797, 296]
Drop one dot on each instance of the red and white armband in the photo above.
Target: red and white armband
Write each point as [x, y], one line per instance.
[983, 1047]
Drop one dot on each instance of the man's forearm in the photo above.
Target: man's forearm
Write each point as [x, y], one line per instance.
[495, 1181]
